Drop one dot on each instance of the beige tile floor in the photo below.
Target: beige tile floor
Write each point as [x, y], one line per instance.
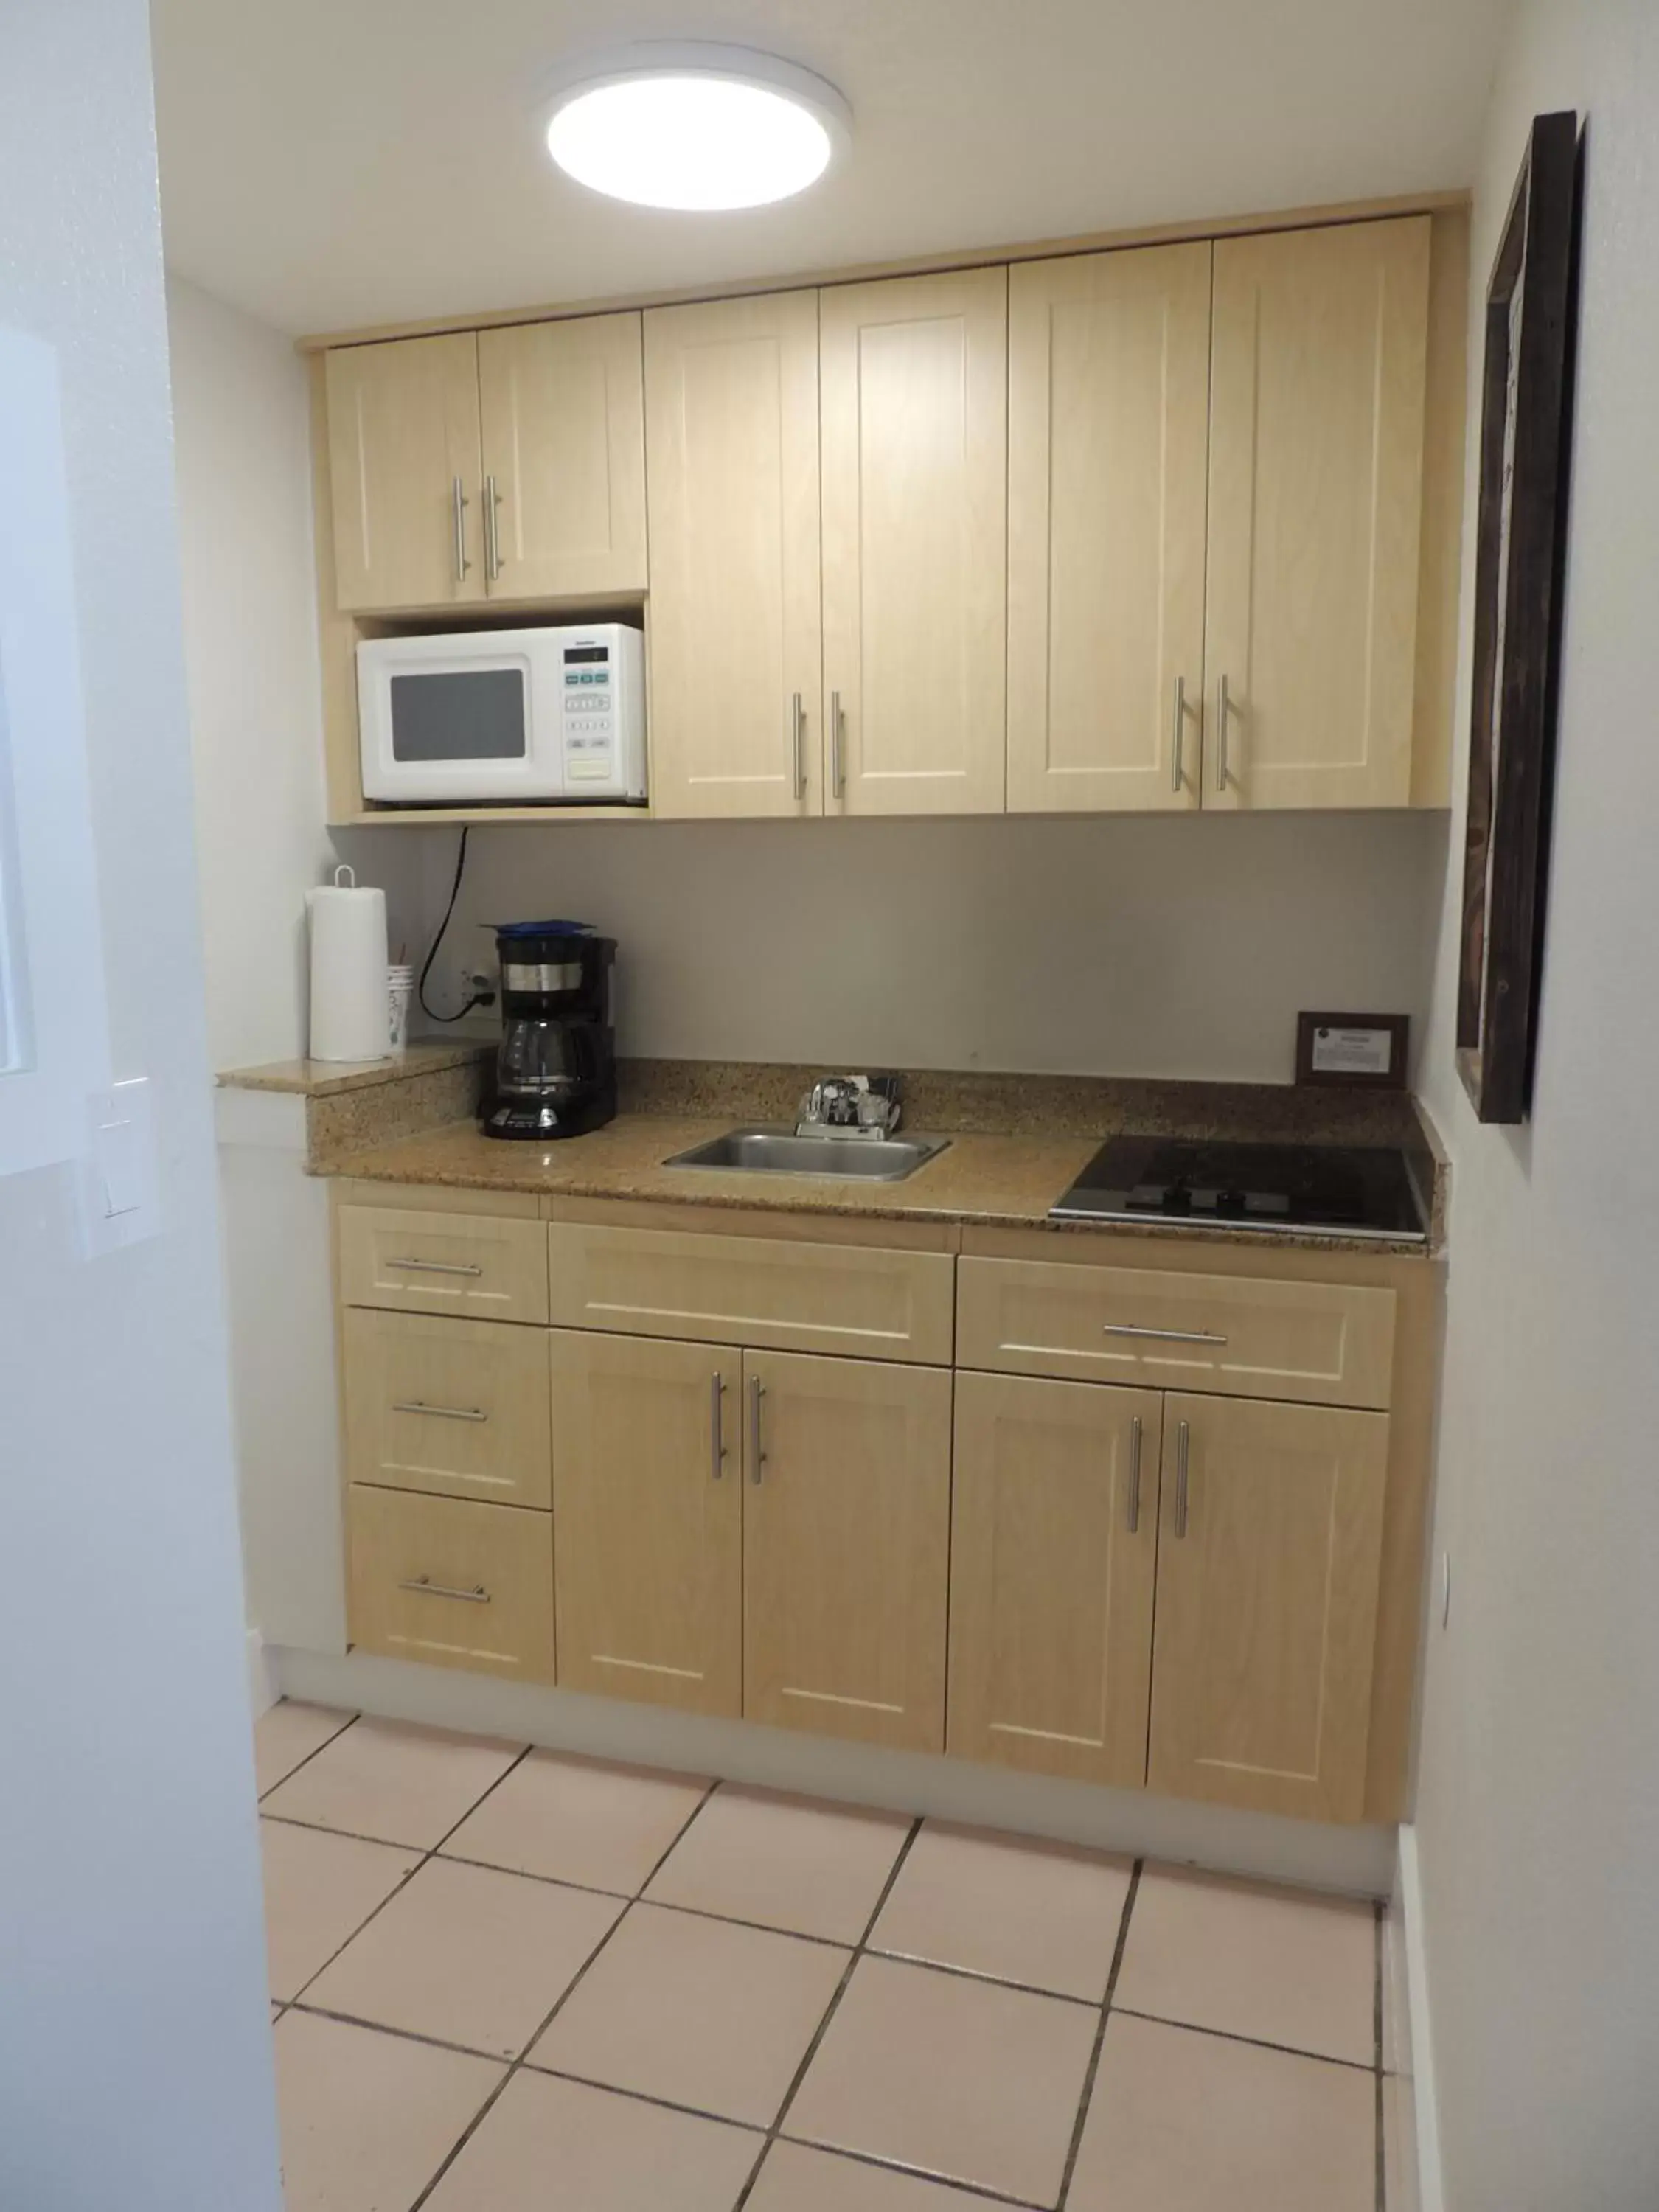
[506, 1981]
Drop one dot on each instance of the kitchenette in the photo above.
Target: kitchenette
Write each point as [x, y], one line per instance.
[970, 678]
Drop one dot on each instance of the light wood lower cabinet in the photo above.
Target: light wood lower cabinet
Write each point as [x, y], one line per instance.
[647, 1495]
[847, 1508]
[1052, 1549]
[1269, 1555]
[455, 1407]
[452, 1583]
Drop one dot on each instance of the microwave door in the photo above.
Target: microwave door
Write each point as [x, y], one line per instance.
[457, 733]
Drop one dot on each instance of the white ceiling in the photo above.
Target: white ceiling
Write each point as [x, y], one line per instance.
[332, 162]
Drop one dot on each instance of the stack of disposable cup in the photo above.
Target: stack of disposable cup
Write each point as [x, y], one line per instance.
[400, 989]
[349, 984]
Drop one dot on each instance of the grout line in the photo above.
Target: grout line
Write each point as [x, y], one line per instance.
[859, 1951]
[1255, 2042]
[1377, 2024]
[425, 1859]
[403, 2034]
[639, 2097]
[976, 1974]
[976, 2189]
[1086, 2097]
[564, 1997]
[351, 1721]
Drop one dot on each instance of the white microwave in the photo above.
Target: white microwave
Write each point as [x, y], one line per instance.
[503, 717]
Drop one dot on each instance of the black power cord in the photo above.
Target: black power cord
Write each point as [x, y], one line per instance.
[478, 998]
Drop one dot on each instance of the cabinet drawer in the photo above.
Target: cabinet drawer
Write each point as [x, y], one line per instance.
[492, 1268]
[1319, 1343]
[454, 1584]
[779, 1296]
[458, 1407]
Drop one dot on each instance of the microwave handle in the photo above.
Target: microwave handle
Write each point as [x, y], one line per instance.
[462, 564]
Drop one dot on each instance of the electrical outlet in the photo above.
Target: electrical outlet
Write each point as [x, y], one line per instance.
[470, 982]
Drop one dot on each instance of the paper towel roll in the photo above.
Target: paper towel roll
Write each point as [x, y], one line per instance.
[348, 1016]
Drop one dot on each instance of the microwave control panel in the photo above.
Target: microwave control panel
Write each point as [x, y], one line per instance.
[590, 716]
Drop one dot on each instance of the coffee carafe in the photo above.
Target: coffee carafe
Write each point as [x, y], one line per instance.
[556, 1070]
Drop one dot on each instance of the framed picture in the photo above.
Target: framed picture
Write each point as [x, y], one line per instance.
[1526, 436]
[1353, 1051]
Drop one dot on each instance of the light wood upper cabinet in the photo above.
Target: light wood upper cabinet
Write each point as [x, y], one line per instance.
[847, 1506]
[732, 426]
[914, 407]
[404, 455]
[1268, 1560]
[1317, 442]
[648, 1500]
[1053, 1537]
[564, 415]
[1108, 381]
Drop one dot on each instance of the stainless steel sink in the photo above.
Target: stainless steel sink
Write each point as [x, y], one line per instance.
[764, 1148]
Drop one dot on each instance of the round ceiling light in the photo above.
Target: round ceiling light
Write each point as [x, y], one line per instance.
[697, 127]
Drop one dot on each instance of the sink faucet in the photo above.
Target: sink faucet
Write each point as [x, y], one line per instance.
[869, 1106]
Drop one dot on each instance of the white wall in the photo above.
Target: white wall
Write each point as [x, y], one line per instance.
[1139, 944]
[241, 427]
[1538, 1811]
[135, 2047]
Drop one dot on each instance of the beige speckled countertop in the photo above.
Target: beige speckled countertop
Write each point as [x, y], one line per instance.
[1016, 1142]
[327, 1079]
[990, 1181]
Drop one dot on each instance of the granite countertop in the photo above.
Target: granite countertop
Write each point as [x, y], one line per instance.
[328, 1079]
[1016, 1141]
[986, 1181]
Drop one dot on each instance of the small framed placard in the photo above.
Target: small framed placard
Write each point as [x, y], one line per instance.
[1362, 1051]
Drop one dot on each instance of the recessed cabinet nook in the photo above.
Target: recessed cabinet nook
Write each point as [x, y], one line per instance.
[1165, 525]
[1123, 1511]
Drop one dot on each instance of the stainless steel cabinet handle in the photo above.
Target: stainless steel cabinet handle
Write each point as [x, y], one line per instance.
[756, 1394]
[438, 1266]
[462, 564]
[439, 1413]
[1223, 709]
[492, 501]
[1183, 1440]
[837, 767]
[423, 1586]
[1133, 1520]
[1161, 1335]
[799, 729]
[716, 1425]
[1180, 728]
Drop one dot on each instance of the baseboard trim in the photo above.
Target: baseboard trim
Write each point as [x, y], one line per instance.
[262, 1690]
[1357, 1862]
[1417, 2027]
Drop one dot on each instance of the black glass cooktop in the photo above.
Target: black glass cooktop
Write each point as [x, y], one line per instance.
[1347, 1190]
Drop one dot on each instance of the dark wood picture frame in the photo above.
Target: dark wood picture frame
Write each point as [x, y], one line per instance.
[1308, 1027]
[1526, 437]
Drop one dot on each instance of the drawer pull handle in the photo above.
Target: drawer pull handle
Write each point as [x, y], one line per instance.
[423, 1586]
[439, 1413]
[717, 1424]
[756, 1394]
[1133, 1521]
[438, 1266]
[1183, 1438]
[1163, 1335]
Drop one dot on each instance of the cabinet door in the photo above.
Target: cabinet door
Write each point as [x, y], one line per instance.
[1272, 1531]
[914, 444]
[648, 1507]
[1317, 384]
[403, 470]
[732, 420]
[847, 1507]
[563, 413]
[1109, 393]
[1053, 1535]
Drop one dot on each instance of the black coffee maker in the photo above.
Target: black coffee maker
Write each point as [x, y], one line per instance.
[556, 1072]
